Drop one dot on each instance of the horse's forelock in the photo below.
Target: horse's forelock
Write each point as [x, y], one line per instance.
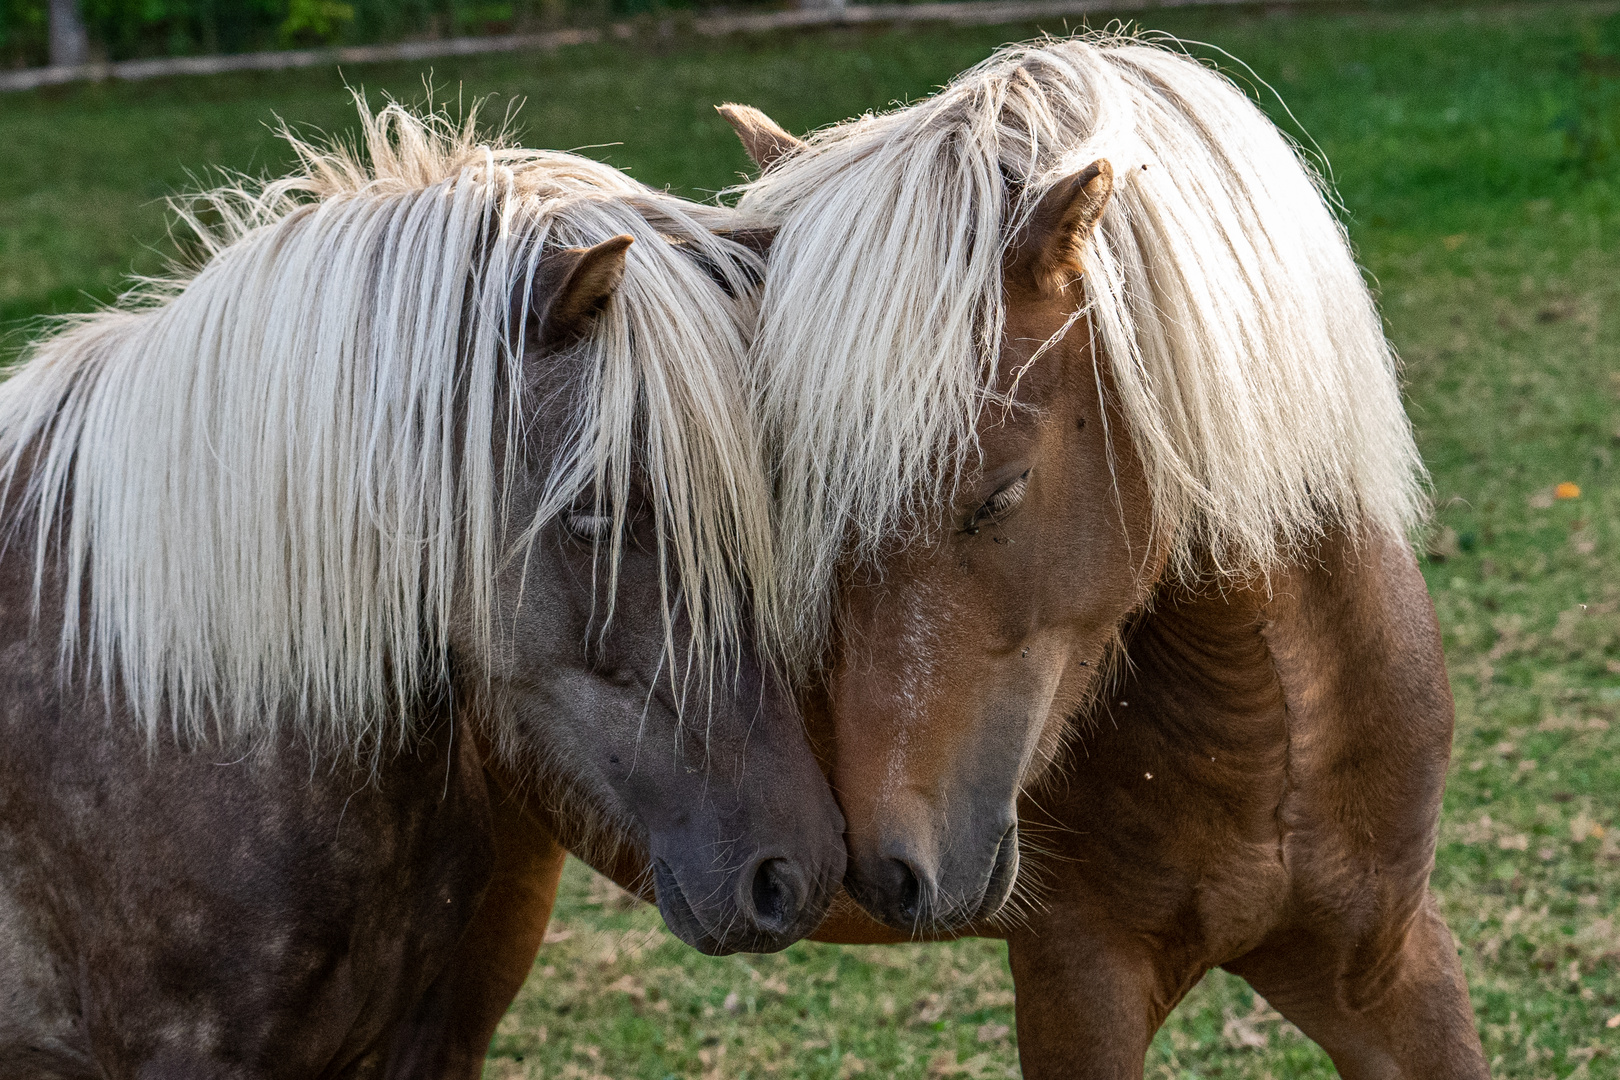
[1246, 352]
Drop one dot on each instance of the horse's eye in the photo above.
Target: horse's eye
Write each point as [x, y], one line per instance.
[1008, 497]
[1002, 503]
[592, 527]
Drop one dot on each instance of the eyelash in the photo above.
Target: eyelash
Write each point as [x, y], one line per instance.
[593, 527]
[1008, 497]
[1000, 503]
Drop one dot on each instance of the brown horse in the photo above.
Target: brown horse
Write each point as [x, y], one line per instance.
[315, 558]
[1094, 486]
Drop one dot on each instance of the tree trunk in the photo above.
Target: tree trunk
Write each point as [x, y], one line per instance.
[70, 44]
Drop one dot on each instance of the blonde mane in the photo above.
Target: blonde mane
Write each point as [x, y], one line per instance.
[1245, 349]
[261, 487]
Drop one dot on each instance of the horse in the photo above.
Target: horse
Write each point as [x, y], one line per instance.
[1093, 492]
[430, 491]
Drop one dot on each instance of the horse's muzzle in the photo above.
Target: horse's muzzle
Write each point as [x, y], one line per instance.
[767, 906]
[918, 895]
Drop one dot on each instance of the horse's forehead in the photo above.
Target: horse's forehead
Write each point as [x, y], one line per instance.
[1045, 345]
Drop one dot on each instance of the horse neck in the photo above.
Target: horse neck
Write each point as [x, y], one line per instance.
[31, 622]
[20, 619]
[1199, 666]
[1301, 652]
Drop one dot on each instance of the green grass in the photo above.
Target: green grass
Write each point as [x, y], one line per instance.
[1498, 263]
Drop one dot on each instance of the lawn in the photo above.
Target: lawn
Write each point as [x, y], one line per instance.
[1498, 262]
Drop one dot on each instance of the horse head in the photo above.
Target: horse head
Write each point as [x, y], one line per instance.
[960, 655]
[614, 696]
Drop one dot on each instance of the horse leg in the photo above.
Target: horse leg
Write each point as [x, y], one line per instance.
[1397, 1011]
[1091, 995]
[448, 1033]
[1156, 849]
[1363, 962]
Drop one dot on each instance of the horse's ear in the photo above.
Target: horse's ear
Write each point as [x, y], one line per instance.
[1050, 244]
[571, 288]
[764, 140]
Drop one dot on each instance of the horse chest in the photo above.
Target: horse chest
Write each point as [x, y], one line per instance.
[1174, 787]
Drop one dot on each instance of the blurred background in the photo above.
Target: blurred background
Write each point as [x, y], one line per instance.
[73, 31]
[1476, 150]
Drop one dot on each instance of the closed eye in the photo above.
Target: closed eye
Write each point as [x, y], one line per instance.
[1008, 497]
[592, 527]
[1002, 503]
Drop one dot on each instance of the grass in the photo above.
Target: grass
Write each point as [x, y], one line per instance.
[1499, 268]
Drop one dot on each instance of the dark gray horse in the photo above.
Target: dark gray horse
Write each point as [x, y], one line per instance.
[429, 489]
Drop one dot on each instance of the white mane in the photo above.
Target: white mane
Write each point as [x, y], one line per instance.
[1245, 349]
[270, 481]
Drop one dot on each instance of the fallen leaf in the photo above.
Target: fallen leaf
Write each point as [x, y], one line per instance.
[714, 1062]
[1478, 831]
[1613, 1021]
[1567, 490]
[930, 1008]
[605, 893]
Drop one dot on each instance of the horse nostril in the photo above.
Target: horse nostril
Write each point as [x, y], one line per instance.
[777, 892]
[906, 890]
[900, 892]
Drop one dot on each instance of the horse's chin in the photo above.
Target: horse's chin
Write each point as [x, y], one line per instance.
[678, 915]
[1003, 877]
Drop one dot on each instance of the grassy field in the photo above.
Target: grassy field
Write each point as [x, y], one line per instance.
[1498, 262]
